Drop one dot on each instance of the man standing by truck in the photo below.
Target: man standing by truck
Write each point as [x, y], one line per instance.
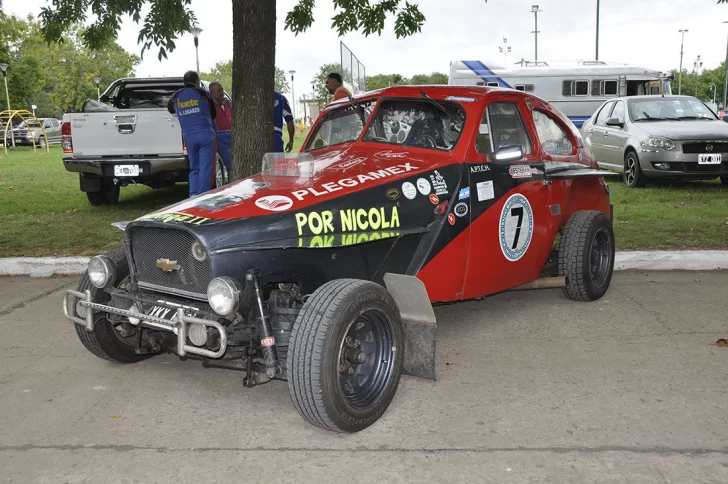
[195, 111]
[282, 112]
[223, 121]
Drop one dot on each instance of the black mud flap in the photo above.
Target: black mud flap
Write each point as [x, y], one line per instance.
[420, 326]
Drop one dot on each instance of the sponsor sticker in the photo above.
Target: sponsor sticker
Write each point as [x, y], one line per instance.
[434, 199]
[269, 341]
[390, 155]
[353, 181]
[461, 209]
[460, 99]
[393, 193]
[343, 240]
[464, 193]
[348, 220]
[274, 203]
[424, 186]
[409, 190]
[451, 218]
[438, 183]
[479, 169]
[180, 217]
[485, 190]
[520, 171]
[350, 163]
[516, 227]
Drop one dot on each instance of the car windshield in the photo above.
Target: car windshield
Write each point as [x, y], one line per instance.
[342, 125]
[417, 122]
[668, 109]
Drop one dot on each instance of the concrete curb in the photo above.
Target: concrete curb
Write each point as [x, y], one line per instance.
[685, 260]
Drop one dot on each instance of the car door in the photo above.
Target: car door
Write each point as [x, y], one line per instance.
[615, 138]
[597, 130]
[507, 200]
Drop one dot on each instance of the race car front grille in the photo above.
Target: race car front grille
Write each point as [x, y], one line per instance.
[172, 249]
[701, 147]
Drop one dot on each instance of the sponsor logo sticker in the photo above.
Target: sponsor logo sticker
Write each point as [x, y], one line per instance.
[348, 220]
[350, 163]
[434, 199]
[438, 183]
[479, 169]
[460, 99]
[274, 203]
[409, 190]
[461, 209]
[353, 181]
[451, 218]
[464, 193]
[520, 171]
[516, 227]
[269, 341]
[390, 155]
[424, 186]
[485, 190]
[393, 194]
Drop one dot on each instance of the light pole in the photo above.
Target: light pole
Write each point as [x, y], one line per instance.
[682, 41]
[712, 87]
[505, 49]
[33, 107]
[4, 68]
[535, 11]
[697, 65]
[196, 31]
[313, 92]
[98, 92]
[293, 93]
[597, 58]
[725, 66]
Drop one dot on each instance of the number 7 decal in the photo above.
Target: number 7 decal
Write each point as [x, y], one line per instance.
[516, 227]
[517, 212]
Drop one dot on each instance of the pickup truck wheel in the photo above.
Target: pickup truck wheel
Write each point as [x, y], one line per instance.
[345, 355]
[724, 180]
[105, 341]
[586, 255]
[221, 174]
[109, 194]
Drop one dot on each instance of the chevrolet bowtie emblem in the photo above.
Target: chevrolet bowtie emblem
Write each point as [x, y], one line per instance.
[167, 265]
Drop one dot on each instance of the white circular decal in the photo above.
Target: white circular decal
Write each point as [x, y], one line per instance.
[516, 227]
[461, 209]
[274, 203]
[424, 186]
[409, 190]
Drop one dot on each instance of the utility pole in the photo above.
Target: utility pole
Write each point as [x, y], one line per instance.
[535, 11]
[505, 49]
[682, 41]
[293, 93]
[697, 64]
[597, 57]
[4, 68]
[725, 82]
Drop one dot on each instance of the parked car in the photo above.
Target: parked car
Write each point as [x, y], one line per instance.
[647, 137]
[29, 132]
[321, 270]
[128, 136]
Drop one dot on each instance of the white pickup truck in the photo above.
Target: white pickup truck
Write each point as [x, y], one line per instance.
[128, 136]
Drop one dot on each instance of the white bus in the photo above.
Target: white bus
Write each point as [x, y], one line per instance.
[577, 89]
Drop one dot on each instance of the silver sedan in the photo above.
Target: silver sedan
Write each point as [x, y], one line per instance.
[658, 137]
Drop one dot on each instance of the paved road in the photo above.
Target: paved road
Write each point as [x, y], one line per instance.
[531, 387]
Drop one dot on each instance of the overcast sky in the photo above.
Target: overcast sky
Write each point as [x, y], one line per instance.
[643, 32]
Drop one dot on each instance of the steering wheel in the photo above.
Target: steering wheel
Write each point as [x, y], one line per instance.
[425, 141]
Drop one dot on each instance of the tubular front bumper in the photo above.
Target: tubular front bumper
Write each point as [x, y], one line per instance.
[177, 326]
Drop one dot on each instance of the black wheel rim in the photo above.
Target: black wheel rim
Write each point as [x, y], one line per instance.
[599, 257]
[366, 359]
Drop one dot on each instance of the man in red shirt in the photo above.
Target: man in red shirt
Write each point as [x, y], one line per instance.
[335, 86]
[223, 121]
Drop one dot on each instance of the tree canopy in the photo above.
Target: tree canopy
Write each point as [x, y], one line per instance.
[223, 73]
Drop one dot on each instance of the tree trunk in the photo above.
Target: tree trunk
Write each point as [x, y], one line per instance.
[254, 41]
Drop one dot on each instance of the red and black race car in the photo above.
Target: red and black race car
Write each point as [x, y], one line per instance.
[322, 269]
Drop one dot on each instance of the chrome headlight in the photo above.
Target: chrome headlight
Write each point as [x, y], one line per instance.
[223, 294]
[102, 271]
[657, 142]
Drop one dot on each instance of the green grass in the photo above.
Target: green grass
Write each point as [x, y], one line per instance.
[43, 212]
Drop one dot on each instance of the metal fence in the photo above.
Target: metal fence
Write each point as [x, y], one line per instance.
[353, 72]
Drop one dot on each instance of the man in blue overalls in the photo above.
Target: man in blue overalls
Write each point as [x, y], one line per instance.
[195, 111]
[282, 111]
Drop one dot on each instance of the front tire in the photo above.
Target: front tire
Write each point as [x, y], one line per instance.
[346, 355]
[105, 341]
[633, 176]
[586, 255]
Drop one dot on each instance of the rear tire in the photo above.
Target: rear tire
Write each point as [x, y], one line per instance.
[335, 383]
[221, 175]
[586, 255]
[105, 341]
[633, 176]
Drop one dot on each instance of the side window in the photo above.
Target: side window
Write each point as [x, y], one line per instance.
[524, 87]
[554, 138]
[56, 124]
[47, 124]
[581, 88]
[502, 127]
[604, 114]
[493, 84]
[618, 111]
[610, 88]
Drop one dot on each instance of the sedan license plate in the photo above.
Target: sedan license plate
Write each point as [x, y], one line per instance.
[710, 159]
[126, 170]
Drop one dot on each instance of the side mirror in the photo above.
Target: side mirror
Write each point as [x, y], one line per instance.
[615, 122]
[510, 153]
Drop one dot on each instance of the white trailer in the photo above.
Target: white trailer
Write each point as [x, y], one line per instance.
[575, 88]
